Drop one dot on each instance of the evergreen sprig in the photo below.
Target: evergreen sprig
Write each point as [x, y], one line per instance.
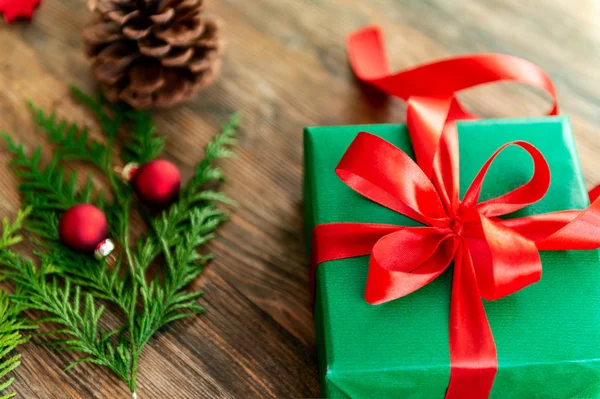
[10, 337]
[72, 142]
[11, 326]
[71, 290]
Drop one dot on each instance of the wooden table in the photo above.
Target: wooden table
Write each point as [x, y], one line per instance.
[286, 68]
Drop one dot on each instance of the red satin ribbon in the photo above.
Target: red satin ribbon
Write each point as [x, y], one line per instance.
[492, 258]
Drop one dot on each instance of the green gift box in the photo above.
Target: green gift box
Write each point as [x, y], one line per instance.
[546, 334]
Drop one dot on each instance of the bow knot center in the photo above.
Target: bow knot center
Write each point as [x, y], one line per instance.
[457, 227]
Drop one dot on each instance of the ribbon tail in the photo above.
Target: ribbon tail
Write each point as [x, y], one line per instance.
[426, 118]
[367, 55]
[473, 359]
[561, 231]
[368, 58]
[333, 241]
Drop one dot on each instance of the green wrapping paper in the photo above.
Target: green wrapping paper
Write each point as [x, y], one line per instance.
[547, 335]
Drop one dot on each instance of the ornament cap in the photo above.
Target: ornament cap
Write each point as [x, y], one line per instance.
[129, 171]
[104, 249]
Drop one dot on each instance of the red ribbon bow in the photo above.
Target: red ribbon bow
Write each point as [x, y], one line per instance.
[492, 258]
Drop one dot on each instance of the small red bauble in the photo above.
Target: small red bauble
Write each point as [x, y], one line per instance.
[84, 228]
[156, 183]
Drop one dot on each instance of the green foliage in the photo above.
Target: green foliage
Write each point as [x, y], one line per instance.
[10, 337]
[71, 290]
[144, 145]
[11, 327]
[72, 143]
[8, 235]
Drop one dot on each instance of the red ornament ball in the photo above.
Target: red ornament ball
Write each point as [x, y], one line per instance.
[156, 183]
[84, 228]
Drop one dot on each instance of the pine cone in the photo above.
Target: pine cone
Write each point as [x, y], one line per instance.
[153, 53]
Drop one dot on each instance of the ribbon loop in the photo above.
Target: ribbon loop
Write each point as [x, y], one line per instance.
[435, 141]
[384, 285]
[527, 194]
[377, 170]
[417, 245]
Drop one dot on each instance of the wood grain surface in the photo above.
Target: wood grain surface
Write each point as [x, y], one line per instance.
[285, 68]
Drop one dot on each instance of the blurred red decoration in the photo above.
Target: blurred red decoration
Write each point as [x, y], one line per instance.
[15, 9]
